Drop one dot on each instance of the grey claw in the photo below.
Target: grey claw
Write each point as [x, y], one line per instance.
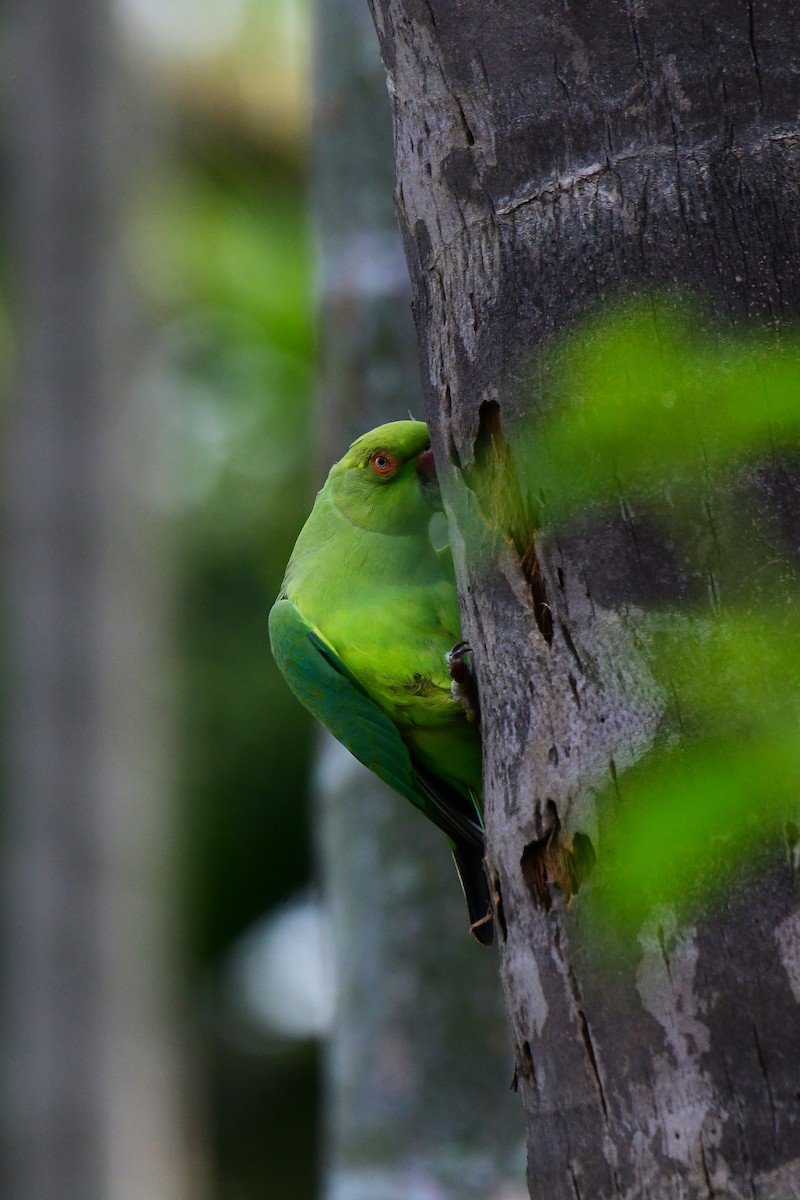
[463, 687]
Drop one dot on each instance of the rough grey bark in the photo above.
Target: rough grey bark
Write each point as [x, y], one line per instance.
[92, 1106]
[551, 156]
[419, 1039]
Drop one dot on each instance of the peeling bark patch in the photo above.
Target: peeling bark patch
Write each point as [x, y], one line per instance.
[555, 860]
[534, 1010]
[492, 478]
[684, 1094]
[787, 935]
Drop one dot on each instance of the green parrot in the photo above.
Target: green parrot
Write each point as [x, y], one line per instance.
[366, 632]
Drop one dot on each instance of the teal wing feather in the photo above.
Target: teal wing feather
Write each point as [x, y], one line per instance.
[324, 685]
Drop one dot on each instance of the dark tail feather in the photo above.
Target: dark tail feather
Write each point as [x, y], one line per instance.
[469, 864]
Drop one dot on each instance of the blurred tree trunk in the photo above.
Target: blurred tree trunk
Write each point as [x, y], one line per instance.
[419, 1040]
[92, 1101]
[551, 156]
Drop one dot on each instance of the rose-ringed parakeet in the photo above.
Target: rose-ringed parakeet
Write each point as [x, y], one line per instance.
[363, 630]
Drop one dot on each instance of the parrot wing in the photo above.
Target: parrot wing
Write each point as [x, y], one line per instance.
[324, 685]
[328, 689]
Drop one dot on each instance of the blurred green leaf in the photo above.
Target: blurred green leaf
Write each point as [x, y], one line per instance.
[222, 251]
[691, 820]
[640, 400]
[643, 407]
[232, 242]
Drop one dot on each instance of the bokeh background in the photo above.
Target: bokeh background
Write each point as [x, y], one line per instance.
[235, 966]
[204, 302]
[216, 248]
[222, 253]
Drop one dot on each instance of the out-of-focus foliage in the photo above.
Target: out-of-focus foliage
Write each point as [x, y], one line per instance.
[224, 252]
[239, 66]
[641, 402]
[647, 412]
[220, 248]
[695, 816]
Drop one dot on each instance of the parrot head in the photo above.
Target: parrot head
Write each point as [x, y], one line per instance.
[386, 482]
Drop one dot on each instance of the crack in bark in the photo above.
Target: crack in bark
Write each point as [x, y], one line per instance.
[763, 1068]
[634, 28]
[571, 647]
[744, 1150]
[573, 683]
[713, 588]
[565, 184]
[706, 1173]
[662, 945]
[429, 7]
[751, 37]
[499, 912]
[630, 524]
[468, 134]
[588, 593]
[612, 770]
[561, 80]
[679, 163]
[492, 478]
[583, 1028]
[527, 1067]
[792, 834]
[677, 707]
[586, 1037]
[574, 1181]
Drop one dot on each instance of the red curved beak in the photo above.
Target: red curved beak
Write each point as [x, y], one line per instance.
[426, 471]
[426, 467]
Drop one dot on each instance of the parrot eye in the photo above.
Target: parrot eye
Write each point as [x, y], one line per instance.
[383, 464]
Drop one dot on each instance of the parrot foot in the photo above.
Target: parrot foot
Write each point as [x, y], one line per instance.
[463, 687]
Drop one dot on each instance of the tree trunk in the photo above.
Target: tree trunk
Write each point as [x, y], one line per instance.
[93, 1106]
[550, 157]
[419, 1027]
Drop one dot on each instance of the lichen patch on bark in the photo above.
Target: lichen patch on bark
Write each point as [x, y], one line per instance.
[787, 935]
[682, 1093]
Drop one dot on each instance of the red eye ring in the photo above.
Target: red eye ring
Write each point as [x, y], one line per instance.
[383, 463]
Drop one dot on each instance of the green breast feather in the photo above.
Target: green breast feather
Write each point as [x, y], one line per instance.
[368, 537]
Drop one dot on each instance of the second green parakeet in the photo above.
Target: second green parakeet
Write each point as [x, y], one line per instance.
[362, 631]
